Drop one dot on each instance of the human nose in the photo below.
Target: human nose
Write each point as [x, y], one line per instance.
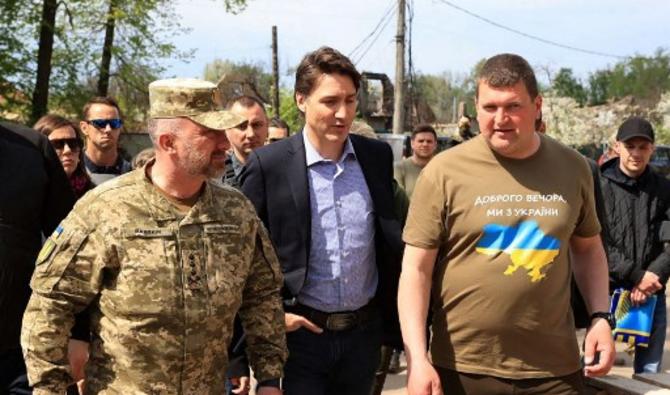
[500, 116]
[249, 132]
[341, 111]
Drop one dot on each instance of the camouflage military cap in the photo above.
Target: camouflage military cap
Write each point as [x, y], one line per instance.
[197, 100]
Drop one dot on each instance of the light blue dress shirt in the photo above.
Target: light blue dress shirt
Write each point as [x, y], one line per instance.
[342, 272]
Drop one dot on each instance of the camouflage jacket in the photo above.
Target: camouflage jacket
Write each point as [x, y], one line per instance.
[163, 289]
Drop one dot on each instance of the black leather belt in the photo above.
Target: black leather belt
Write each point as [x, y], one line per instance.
[340, 321]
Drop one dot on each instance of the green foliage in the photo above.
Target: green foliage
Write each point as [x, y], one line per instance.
[18, 20]
[143, 30]
[244, 78]
[566, 85]
[441, 91]
[289, 112]
[142, 42]
[473, 77]
[599, 83]
[662, 134]
[235, 6]
[644, 78]
[239, 78]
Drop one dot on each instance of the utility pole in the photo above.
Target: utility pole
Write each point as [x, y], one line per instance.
[275, 74]
[399, 105]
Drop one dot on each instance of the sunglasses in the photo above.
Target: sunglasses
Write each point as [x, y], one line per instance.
[275, 139]
[102, 123]
[73, 143]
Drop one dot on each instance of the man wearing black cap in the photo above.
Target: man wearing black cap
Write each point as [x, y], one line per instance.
[637, 201]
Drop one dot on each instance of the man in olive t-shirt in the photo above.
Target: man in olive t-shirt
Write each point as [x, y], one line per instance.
[489, 227]
[424, 144]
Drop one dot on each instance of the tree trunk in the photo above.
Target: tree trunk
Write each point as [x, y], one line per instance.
[47, 28]
[103, 81]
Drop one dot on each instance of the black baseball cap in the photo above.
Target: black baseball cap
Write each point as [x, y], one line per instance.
[635, 127]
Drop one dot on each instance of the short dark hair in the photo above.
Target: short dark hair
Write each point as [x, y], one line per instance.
[276, 122]
[324, 60]
[423, 128]
[245, 101]
[106, 100]
[506, 70]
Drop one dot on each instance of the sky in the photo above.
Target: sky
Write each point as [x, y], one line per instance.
[444, 38]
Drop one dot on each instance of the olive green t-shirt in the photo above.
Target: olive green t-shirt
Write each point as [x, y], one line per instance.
[501, 284]
[406, 172]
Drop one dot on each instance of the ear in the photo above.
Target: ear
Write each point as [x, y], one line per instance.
[538, 104]
[83, 126]
[166, 143]
[300, 100]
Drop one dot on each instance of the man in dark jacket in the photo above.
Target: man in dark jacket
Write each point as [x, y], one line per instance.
[35, 196]
[326, 199]
[637, 201]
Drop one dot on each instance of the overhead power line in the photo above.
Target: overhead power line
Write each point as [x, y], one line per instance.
[533, 37]
[374, 40]
[382, 21]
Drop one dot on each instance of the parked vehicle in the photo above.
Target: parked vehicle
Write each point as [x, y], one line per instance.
[661, 159]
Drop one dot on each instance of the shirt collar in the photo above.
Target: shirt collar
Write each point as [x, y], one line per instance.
[312, 156]
[237, 165]
[116, 168]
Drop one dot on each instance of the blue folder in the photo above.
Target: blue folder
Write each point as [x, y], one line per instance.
[633, 323]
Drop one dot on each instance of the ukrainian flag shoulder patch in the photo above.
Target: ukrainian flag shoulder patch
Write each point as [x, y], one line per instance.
[49, 245]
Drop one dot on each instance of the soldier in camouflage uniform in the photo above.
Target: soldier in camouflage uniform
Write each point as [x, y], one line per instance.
[165, 259]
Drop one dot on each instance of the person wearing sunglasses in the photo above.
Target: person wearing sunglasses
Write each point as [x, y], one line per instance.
[64, 137]
[102, 126]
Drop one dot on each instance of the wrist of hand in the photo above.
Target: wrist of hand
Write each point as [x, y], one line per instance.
[418, 360]
[603, 316]
[275, 383]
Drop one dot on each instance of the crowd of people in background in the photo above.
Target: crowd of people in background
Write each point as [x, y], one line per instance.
[312, 257]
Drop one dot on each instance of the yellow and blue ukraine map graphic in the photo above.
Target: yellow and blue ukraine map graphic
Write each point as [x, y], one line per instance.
[526, 244]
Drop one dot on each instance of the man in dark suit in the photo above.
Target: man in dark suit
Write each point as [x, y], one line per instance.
[326, 198]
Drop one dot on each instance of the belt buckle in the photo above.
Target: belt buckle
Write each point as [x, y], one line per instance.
[341, 321]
